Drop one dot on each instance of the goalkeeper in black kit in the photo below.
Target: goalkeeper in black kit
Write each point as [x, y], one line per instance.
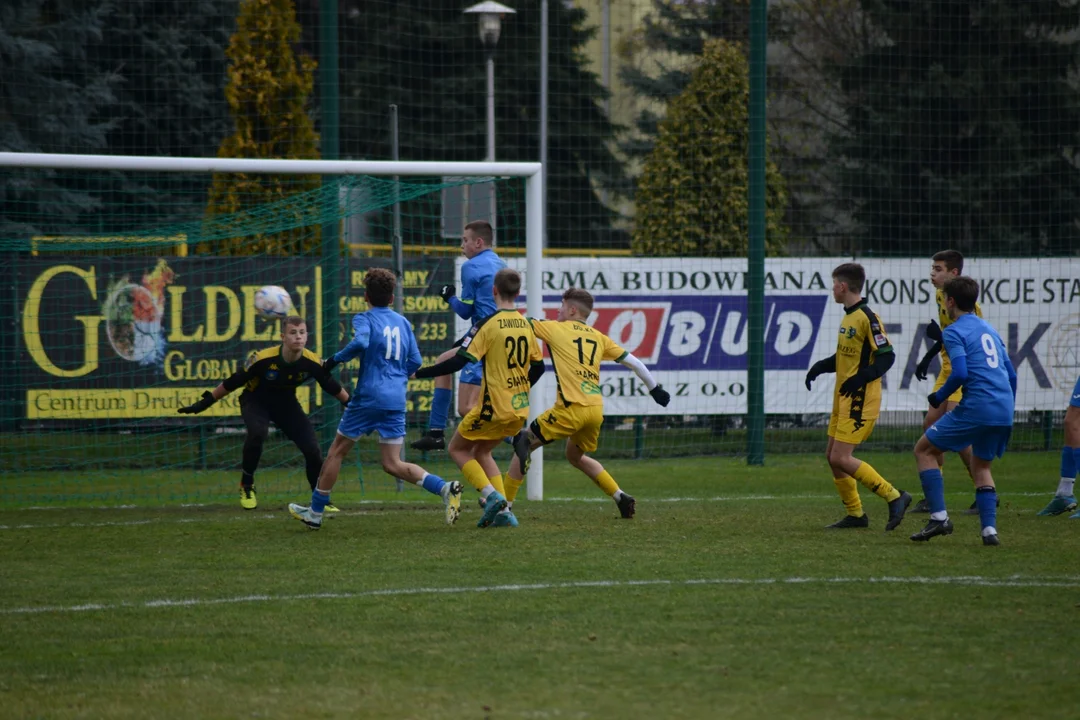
[270, 380]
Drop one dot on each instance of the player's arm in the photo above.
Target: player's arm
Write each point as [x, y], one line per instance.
[356, 346]
[209, 397]
[828, 365]
[473, 347]
[414, 359]
[536, 362]
[933, 331]
[959, 375]
[326, 381]
[462, 307]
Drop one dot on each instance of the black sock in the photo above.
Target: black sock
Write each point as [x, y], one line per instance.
[435, 433]
[247, 479]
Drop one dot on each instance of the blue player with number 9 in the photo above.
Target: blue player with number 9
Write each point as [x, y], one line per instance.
[983, 419]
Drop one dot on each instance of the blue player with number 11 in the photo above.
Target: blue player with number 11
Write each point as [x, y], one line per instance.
[982, 420]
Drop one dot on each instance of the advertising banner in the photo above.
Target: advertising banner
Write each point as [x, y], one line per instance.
[686, 319]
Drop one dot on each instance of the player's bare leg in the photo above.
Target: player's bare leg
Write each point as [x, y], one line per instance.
[932, 416]
[845, 465]
[312, 515]
[467, 397]
[603, 480]
[1064, 499]
[481, 471]
[450, 492]
[848, 489]
[926, 460]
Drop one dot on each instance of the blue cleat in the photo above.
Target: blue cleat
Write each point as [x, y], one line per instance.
[495, 504]
[1075, 515]
[1059, 505]
[505, 519]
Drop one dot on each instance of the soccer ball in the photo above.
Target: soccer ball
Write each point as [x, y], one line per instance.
[272, 302]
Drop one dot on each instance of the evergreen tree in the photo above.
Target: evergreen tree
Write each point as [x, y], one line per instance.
[50, 101]
[267, 92]
[692, 193]
[963, 128]
[426, 58]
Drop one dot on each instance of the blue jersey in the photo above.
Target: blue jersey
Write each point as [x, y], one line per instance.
[388, 354]
[477, 280]
[989, 397]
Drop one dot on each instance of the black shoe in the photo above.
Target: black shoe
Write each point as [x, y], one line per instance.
[627, 506]
[974, 509]
[429, 442]
[850, 521]
[921, 507]
[933, 529]
[991, 539]
[522, 450]
[897, 508]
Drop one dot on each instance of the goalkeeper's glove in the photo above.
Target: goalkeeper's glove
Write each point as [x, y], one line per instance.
[329, 364]
[199, 406]
[933, 331]
[660, 395]
[446, 292]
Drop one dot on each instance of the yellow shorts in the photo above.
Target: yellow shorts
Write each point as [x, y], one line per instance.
[940, 383]
[843, 429]
[474, 428]
[580, 423]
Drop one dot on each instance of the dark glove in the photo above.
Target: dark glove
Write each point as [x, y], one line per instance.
[811, 376]
[852, 385]
[446, 292]
[933, 399]
[661, 396]
[923, 368]
[329, 364]
[933, 331]
[199, 406]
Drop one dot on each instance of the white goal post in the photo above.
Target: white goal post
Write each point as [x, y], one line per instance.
[534, 214]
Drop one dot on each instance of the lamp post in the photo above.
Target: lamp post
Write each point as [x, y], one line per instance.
[489, 14]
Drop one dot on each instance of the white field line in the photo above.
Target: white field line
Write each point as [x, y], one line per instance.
[595, 499]
[1012, 581]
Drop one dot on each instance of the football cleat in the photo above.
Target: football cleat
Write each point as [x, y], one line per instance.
[429, 442]
[505, 519]
[1058, 506]
[933, 529]
[306, 516]
[331, 508]
[495, 504]
[1075, 515]
[974, 509]
[921, 507]
[451, 495]
[897, 508]
[627, 506]
[991, 539]
[248, 501]
[850, 521]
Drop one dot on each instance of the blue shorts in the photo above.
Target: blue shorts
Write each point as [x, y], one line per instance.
[357, 422]
[472, 374]
[1074, 401]
[986, 441]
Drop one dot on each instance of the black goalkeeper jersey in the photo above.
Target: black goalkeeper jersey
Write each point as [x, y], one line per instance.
[267, 372]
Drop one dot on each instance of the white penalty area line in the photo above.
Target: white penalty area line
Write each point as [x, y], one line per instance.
[1012, 581]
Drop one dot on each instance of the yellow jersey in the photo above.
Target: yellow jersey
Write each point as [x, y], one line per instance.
[507, 345]
[945, 321]
[862, 337]
[576, 351]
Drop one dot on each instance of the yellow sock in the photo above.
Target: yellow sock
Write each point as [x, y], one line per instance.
[869, 477]
[849, 494]
[605, 482]
[497, 483]
[475, 474]
[512, 486]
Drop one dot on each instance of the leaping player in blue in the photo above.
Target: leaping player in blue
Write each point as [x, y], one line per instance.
[1064, 499]
[983, 419]
[389, 354]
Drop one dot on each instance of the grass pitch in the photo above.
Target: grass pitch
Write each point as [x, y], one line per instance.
[723, 598]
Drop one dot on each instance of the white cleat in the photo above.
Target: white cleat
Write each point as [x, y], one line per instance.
[304, 514]
[451, 495]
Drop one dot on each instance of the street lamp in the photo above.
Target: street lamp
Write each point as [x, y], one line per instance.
[490, 14]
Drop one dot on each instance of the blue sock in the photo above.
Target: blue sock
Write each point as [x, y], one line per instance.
[1069, 457]
[440, 409]
[1076, 461]
[986, 501]
[933, 487]
[319, 501]
[433, 484]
